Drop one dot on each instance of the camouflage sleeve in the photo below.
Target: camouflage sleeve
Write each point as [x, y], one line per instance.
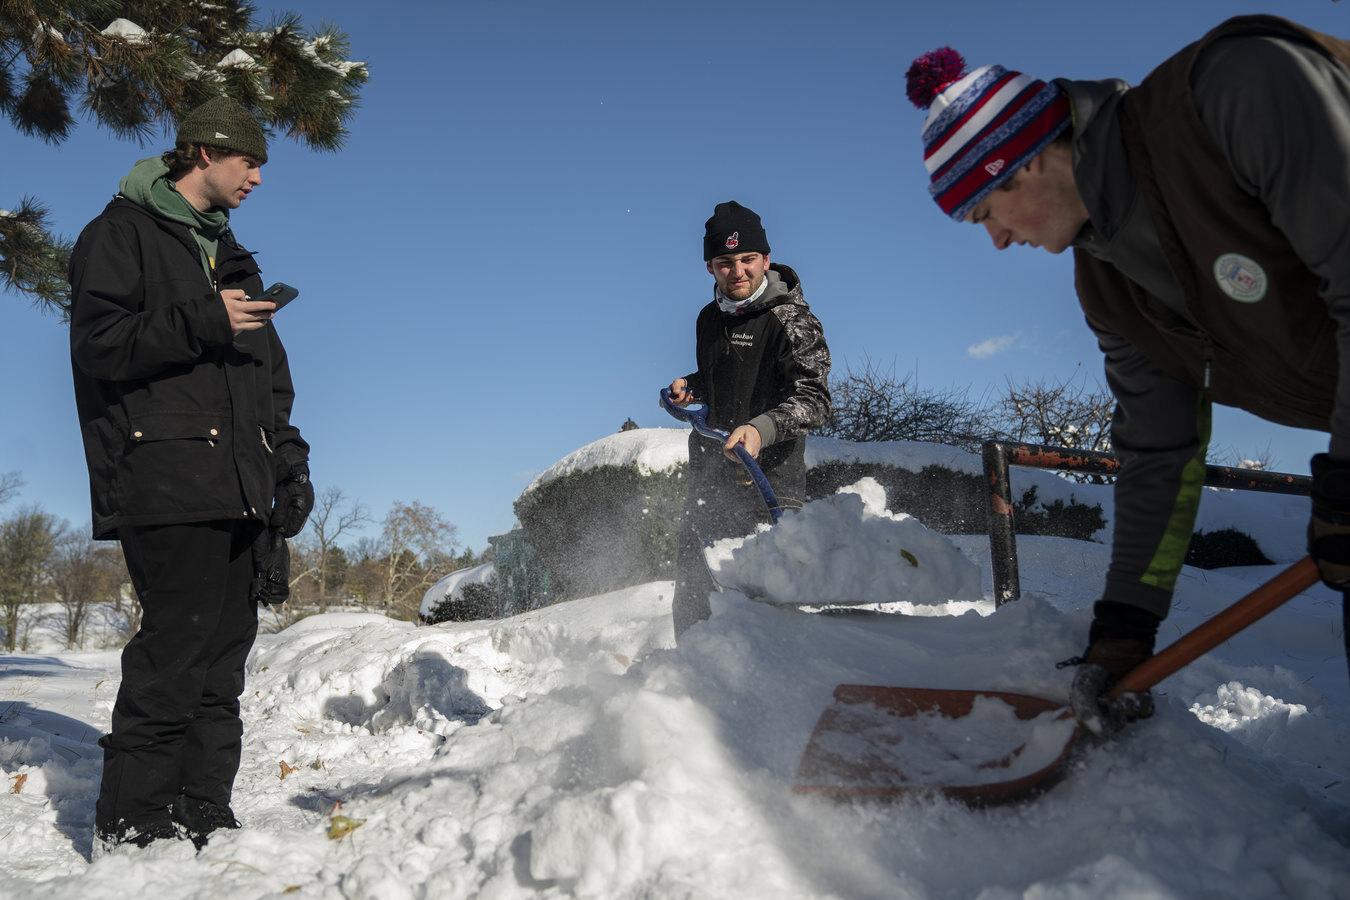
[805, 360]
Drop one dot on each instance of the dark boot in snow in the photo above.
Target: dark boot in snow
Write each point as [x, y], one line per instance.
[199, 818]
[108, 838]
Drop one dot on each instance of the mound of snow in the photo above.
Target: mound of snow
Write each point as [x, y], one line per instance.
[847, 549]
[571, 751]
[127, 30]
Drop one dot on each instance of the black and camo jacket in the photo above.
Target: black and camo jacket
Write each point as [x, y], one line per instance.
[767, 366]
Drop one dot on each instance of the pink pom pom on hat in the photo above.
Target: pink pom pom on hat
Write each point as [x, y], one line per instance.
[981, 127]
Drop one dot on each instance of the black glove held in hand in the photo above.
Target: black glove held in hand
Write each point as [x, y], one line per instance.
[271, 569]
[293, 500]
[1329, 528]
[1121, 638]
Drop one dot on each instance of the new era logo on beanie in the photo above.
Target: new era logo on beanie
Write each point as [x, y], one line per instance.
[733, 229]
[981, 127]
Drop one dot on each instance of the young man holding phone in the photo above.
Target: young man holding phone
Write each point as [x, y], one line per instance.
[184, 399]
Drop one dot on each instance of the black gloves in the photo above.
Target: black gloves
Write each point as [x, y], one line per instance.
[291, 505]
[271, 569]
[1121, 638]
[293, 500]
[1329, 528]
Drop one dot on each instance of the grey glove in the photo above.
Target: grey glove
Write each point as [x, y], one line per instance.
[1105, 663]
[1121, 638]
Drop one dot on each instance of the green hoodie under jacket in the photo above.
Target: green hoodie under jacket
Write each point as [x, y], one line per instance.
[148, 185]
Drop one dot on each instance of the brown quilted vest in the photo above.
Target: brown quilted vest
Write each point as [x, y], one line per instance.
[1259, 326]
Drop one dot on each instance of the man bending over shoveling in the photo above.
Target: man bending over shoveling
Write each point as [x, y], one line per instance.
[1208, 210]
[763, 373]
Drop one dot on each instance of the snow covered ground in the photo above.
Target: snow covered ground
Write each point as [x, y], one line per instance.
[574, 751]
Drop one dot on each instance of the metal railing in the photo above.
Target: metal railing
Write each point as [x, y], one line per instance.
[998, 455]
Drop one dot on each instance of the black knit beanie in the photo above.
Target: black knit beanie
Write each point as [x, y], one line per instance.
[222, 122]
[733, 229]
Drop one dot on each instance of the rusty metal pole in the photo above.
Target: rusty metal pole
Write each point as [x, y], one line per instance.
[998, 455]
[1002, 538]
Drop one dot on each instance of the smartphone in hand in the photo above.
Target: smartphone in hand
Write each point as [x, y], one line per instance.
[280, 294]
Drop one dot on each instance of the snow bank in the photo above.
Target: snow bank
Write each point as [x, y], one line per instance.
[572, 751]
[846, 549]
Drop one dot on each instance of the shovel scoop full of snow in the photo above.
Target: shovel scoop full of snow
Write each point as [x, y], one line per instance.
[987, 747]
[979, 747]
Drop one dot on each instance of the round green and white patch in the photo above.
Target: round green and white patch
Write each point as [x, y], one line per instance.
[1240, 277]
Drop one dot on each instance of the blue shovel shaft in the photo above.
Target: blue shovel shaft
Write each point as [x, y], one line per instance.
[698, 418]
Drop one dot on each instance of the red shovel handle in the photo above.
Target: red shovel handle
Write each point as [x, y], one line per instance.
[1210, 634]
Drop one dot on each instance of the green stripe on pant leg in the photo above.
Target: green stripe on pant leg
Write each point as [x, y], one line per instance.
[1171, 553]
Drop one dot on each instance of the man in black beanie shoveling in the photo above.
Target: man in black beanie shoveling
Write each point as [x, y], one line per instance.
[763, 373]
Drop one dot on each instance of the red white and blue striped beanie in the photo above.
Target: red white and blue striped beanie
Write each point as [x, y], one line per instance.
[981, 127]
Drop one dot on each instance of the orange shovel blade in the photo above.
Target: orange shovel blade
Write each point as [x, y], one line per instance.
[843, 760]
[852, 751]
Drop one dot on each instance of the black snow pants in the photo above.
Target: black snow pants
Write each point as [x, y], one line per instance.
[722, 502]
[175, 725]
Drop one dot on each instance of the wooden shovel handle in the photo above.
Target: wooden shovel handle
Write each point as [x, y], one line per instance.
[1213, 632]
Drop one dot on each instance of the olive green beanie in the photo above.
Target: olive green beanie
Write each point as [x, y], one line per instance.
[222, 122]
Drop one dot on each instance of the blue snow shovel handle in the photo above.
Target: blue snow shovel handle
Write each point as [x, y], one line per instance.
[698, 418]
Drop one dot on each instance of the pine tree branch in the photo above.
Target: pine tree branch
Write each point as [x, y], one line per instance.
[33, 261]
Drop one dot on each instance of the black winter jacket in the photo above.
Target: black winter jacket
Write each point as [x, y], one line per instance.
[768, 366]
[181, 421]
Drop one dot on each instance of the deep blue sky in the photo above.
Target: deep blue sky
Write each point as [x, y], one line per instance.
[504, 262]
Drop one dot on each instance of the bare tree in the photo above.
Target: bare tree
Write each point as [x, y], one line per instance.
[126, 609]
[334, 515]
[877, 405]
[417, 549]
[84, 574]
[27, 541]
[10, 482]
[364, 580]
[1262, 460]
[1068, 413]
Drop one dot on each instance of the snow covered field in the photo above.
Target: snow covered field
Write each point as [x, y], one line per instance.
[574, 751]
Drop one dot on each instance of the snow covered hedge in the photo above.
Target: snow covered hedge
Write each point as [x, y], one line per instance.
[603, 528]
[607, 516]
